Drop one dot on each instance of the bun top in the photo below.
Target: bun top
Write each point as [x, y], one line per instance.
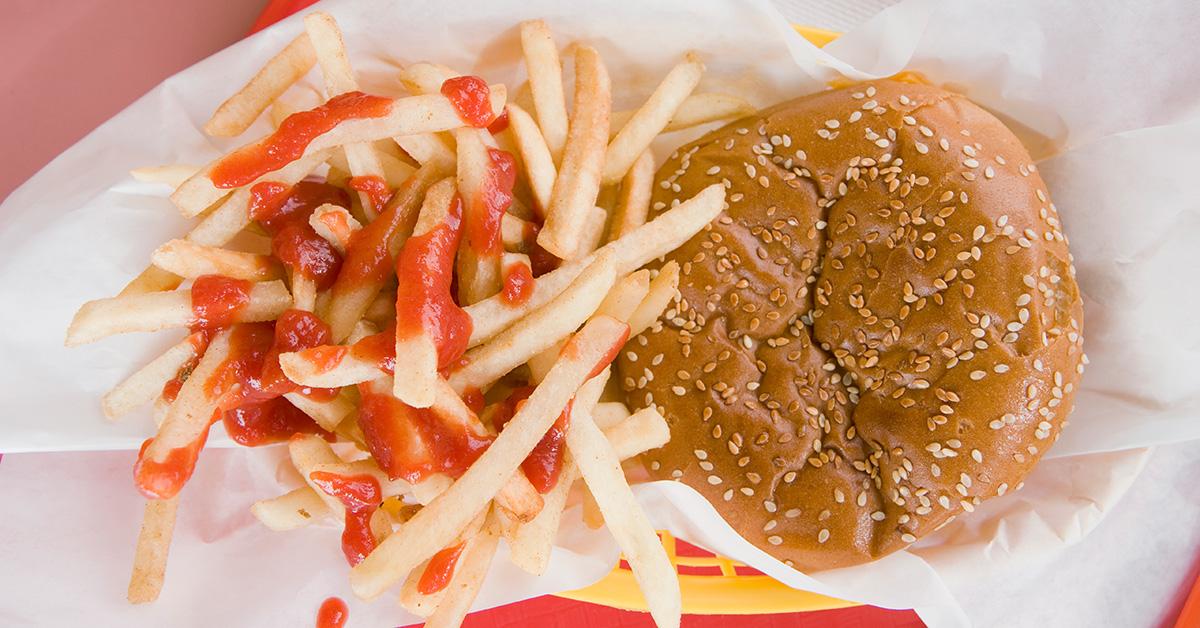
[881, 331]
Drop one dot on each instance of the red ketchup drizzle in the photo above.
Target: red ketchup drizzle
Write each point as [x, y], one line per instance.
[518, 284]
[494, 198]
[378, 348]
[217, 300]
[369, 252]
[473, 397]
[471, 98]
[499, 124]
[541, 261]
[288, 143]
[375, 188]
[571, 351]
[162, 480]
[361, 495]
[412, 443]
[333, 613]
[424, 303]
[543, 465]
[440, 569]
[284, 212]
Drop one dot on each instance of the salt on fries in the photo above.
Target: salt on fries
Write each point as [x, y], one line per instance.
[348, 330]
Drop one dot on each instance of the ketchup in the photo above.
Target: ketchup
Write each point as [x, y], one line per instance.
[471, 97]
[217, 300]
[264, 422]
[378, 348]
[370, 250]
[375, 188]
[544, 463]
[293, 136]
[518, 284]
[473, 397]
[295, 330]
[412, 443]
[162, 480]
[494, 198]
[284, 212]
[333, 613]
[440, 569]
[541, 261]
[499, 124]
[361, 495]
[423, 298]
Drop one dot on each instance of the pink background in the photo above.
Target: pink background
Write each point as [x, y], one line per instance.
[70, 65]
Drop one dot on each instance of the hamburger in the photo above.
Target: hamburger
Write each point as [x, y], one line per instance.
[881, 331]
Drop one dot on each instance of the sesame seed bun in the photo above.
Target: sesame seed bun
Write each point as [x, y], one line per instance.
[881, 331]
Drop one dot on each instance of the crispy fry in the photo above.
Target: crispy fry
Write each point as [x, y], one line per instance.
[328, 414]
[633, 202]
[638, 433]
[663, 289]
[467, 579]
[578, 181]
[312, 367]
[542, 328]
[601, 470]
[593, 233]
[307, 451]
[424, 604]
[649, 120]
[535, 154]
[478, 272]
[625, 295]
[153, 544]
[171, 175]
[304, 292]
[652, 240]
[438, 523]
[545, 83]
[609, 413]
[162, 310]
[188, 259]
[355, 290]
[417, 370]
[591, 515]
[294, 509]
[695, 110]
[145, 384]
[326, 40]
[514, 233]
[427, 147]
[335, 224]
[153, 279]
[406, 116]
[240, 110]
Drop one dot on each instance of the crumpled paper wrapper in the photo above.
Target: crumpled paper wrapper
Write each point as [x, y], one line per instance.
[1102, 95]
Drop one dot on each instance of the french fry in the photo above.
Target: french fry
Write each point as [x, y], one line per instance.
[357, 286]
[625, 296]
[327, 43]
[650, 120]
[601, 470]
[145, 384]
[294, 509]
[171, 175]
[427, 147]
[593, 233]
[578, 181]
[438, 523]
[362, 329]
[190, 415]
[328, 414]
[695, 110]
[535, 154]
[417, 370]
[633, 201]
[652, 240]
[609, 413]
[153, 279]
[428, 489]
[406, 116]
[395, 170]
[638, 433]
[467, 579]
[162, 310]
[531, 335]
[424, 604]
[188, 259]
[240, 110]
[335, 224]
[513, 232]
[591, 515]
[663, 289]
[365, 466]
[312, 367]
[531, 547]
[304, 292]
[478, 273]
[153, 544]
[545, 83]
[308, 452]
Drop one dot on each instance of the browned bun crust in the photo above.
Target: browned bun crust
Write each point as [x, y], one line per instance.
[882, 330]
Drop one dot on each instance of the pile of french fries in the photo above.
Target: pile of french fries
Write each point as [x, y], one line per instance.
[584, 176]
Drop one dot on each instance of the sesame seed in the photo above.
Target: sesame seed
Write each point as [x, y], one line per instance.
[775, 540]
[822, 536]
[908, 538]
